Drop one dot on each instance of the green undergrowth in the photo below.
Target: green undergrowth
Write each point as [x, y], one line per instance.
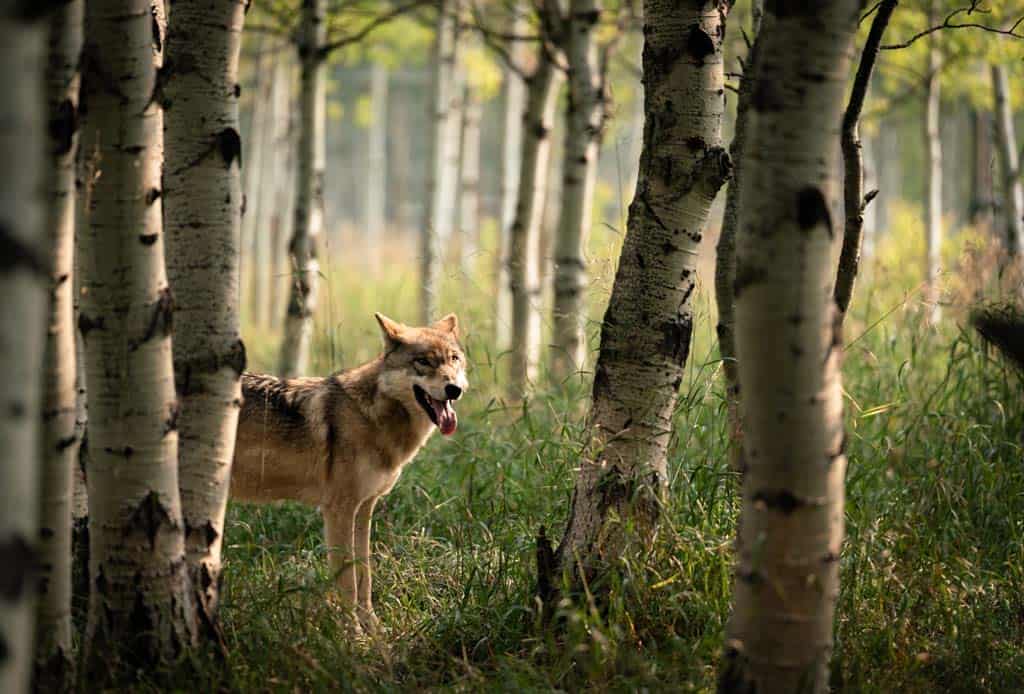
[932, 573]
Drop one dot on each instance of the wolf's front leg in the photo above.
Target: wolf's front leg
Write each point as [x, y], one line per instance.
[339, 525]
[364, 567]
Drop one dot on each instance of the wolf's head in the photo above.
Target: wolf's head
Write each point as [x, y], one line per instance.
[424, 368]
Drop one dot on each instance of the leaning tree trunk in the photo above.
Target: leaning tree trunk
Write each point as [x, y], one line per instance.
[139, 603]
[469, 182]
[725, 251]
[439, 212]
[854, 199]
[789, 347]
[645, 338]
[309, 192]
[54, 663]
[376, 164]
[203, 207]
[584, 124]
[23, 271]
[932, 182]
[511, 165]
[1013, 188]
[523, 262]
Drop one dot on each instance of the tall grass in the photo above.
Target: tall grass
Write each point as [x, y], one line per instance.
[932, 570]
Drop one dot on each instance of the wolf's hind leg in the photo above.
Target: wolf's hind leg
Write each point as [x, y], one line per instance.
[364, 566]
[339, 525]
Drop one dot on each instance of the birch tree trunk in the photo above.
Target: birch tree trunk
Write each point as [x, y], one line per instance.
[139, 612]
[23, 271]
[439, 212]
[284, 191]
[933, 182]
[1013, 188]
[253, 232]
[981, 203]
[304, 248]
[511, 165]
[645, 336]
[469, 182]
[377, 161]
[523, 264]
[203, 209]
[54, 668]
[584, 117]
[788, 345]
[725, 251]
[261, 204]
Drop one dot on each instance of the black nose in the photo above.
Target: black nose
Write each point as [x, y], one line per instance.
[452, 392]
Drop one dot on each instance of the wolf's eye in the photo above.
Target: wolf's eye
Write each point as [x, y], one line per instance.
[422, 361]
[455, 357]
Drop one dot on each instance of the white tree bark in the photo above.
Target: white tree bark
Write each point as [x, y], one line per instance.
[645, 338]
[139, 602]
[789, 347]
[54, 662]
[511, 165]
[1013, 188]
[23, 271]
[469, 182]
[439, 212]
[203, 205]
[585, 117]
[523, 263]
[304, 248]
[933, 182]
[374, 221]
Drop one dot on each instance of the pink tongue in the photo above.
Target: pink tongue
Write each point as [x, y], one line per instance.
[447, 421]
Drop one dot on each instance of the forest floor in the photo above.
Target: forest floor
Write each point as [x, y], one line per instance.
[932, 570]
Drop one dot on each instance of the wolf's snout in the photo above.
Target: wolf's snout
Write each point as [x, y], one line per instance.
[452, 391]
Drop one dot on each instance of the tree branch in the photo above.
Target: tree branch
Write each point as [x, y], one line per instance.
[948, 24]
[372, 25]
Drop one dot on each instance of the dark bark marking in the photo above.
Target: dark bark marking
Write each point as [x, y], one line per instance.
[87, 324]
[171, 423]
[746, 275]
[152, 195]
[18, 559]
[150, 516]
[782, 500]
[812, 210]
[148, 239]
[162, 319]
[66, 442]
[204, 532]
[125, 452]
[208, 363]
[229, 142]
[157, 38]
[63, 126]
[15, 254]
[46, 533]
[696, 144]
[699, 44]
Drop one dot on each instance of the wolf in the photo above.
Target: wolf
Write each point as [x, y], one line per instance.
[341, 442]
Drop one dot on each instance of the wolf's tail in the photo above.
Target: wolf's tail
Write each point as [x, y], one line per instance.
[1002, 326]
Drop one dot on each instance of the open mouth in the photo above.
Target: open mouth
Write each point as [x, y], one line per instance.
[441, 412]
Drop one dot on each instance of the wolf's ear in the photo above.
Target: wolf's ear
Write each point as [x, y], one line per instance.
[391, 330]
[448, 324]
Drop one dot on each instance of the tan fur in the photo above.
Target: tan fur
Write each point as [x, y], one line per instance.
[341, 442]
